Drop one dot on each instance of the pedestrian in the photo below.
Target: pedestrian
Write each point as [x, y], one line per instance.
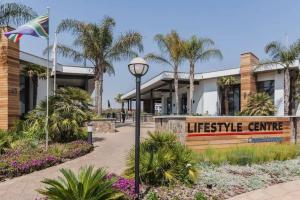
[123, 115]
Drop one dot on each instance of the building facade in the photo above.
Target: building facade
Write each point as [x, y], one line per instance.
[209, 96]
[16, 87]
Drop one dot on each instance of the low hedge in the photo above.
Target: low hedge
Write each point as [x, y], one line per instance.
[23, 161]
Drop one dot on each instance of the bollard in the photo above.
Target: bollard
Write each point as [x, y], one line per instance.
[90, 133]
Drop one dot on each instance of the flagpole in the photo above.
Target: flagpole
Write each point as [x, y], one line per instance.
[47, 93]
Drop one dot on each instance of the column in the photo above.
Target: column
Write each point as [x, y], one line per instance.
[9, 81]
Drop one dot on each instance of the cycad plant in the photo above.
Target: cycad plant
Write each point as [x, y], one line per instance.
[15, 13]
[198, 50]
[284, 56]
[226, 83]
[96, 44]
[89, 184]
[34, 72]
[68, 110]
[163, 161]
[172, 54]
[259, 104]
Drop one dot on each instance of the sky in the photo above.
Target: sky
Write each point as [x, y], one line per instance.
[236, 26]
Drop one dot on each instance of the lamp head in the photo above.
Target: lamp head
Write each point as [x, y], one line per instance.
[138, 66]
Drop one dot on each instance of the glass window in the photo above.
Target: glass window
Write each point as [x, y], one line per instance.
[267, 87]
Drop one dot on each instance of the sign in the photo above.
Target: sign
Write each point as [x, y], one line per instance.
[230, 128]
[222, 132]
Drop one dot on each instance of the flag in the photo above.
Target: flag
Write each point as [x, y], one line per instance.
[38, 27]
[53, 55]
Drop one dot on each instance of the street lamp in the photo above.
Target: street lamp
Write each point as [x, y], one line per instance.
[137, 67]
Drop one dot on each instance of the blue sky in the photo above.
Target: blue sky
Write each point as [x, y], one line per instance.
[236, 26]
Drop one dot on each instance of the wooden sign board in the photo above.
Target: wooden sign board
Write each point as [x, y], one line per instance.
[223, 132]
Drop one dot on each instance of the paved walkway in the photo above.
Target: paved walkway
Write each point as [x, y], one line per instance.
[110, 151]
[283, 191]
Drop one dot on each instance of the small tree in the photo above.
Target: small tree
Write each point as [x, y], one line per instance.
[226, 83]
[259, 104]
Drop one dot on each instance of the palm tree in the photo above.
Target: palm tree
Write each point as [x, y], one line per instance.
[34, 72]
[119, 99]
[14, 13]
[89, 184]
[198, 49]
[225, 83]
[284, 56]
[172, 54]
[96, 44]
[259, 104]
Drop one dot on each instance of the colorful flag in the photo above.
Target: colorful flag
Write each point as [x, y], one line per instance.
[38, 27]
[53, 55]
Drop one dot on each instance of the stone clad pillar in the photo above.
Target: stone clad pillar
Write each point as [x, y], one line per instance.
[248, 80]
[9, 81]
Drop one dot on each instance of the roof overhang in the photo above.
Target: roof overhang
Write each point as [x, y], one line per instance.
[64, 69]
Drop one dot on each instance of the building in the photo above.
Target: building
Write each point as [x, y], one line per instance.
[207, 93]
[16, 88]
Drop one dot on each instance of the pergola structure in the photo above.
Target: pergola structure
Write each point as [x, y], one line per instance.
[152, 90]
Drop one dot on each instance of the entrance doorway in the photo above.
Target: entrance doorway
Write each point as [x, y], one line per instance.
[184, 103]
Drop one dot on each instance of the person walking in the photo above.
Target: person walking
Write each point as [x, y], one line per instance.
[123, 115]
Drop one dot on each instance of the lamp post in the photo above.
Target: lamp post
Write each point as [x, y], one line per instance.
[137, 67]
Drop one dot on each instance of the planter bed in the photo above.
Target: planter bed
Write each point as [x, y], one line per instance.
[225, 181]
[24, 161]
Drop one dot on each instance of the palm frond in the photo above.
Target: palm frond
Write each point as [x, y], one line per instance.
[66, 52]
[210, 53]
[156, 58]
[122, 48]
[15, 13]
[71, 25]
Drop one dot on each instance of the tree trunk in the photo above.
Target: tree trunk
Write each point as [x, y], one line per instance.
[287, 90]
[97, 94]
[176, 89]
[226, 100]
[101, 93]
[192, 77]
[35, 87]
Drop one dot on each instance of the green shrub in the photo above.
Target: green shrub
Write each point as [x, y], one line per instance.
[247, 155]
[68, 110]
[87, 185]
[163, 160]
[152, 196]
[200, 196]
[24, 144]
[5, 140]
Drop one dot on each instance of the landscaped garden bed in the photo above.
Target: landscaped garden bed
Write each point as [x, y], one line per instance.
[16, 162]
[225, 181]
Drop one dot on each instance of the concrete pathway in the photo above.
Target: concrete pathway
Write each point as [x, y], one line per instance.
[283, 191]
[110, 151]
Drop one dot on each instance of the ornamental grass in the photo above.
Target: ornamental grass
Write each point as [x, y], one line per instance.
[247, 155]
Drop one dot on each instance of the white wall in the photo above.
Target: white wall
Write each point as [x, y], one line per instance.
[210, 97]
[206, 95]
[42, 89]
[278, 88]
